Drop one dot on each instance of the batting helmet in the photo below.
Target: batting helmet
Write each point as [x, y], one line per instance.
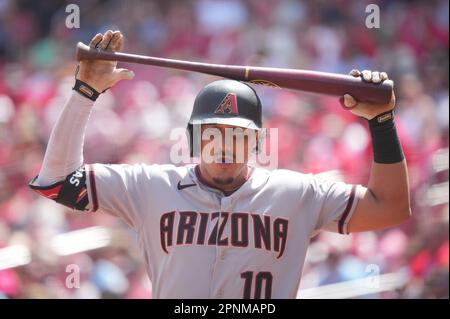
[225, 102]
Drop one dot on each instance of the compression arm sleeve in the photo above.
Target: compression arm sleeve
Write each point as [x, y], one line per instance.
[64, 152]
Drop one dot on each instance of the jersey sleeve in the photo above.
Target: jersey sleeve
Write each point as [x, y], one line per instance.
[118, 189]
[337, 202]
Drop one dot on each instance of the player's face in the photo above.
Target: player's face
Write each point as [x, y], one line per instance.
[225, 151]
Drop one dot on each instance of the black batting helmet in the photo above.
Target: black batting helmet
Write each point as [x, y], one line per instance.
[226, 102]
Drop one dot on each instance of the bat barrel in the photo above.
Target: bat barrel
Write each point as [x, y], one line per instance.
[323, 83]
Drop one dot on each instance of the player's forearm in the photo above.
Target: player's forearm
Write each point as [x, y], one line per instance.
[389, 186]
[385, 203]
[64, 152]
[388, 182]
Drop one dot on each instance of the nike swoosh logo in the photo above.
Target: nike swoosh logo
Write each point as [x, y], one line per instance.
[180, 187]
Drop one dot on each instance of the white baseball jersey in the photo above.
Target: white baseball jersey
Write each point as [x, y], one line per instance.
[198, 243]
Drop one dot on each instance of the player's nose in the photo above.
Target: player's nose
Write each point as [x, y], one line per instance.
[227, 149]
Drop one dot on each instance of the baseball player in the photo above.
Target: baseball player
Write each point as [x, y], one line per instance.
[222, 228]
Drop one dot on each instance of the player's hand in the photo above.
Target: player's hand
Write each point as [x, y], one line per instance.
[363, 109]
[101, 74]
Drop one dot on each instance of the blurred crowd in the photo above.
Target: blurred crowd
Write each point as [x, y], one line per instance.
[133, 123]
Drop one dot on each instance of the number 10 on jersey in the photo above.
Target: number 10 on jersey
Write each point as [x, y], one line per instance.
[260, 279]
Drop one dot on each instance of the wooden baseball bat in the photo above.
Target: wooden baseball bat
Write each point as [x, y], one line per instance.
[310, 81]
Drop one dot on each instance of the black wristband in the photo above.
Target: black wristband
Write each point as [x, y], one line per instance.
[86, 90]
[386, 145]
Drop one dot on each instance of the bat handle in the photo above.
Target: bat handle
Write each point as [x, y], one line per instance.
[83, 52]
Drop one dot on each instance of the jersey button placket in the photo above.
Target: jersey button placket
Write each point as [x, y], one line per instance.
[227, 206]
[217, 253]
[224, 207]
[221, 250]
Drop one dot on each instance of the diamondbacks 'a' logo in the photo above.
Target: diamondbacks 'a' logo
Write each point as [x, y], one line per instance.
[228, 105]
